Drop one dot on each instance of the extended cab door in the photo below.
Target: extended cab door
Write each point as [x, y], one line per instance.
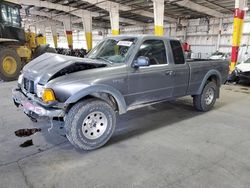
[181, 69]
[153, 82]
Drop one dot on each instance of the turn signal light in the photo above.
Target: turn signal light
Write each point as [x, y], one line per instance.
[48, 95]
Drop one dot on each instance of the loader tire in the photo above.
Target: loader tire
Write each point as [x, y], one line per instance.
[10, 64]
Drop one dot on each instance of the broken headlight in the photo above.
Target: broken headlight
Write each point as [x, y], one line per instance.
[39, 90]
[20, 79]
[238, 70]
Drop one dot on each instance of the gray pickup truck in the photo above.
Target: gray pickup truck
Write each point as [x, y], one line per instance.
[119, 74]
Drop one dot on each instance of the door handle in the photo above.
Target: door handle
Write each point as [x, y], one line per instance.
[170, 73]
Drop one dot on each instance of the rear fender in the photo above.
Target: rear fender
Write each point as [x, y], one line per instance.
[209, 74]
[122, 107]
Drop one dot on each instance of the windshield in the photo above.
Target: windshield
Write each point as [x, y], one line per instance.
[112, 50]
[10, 15]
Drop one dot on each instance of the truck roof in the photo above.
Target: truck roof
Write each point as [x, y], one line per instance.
[141, 36]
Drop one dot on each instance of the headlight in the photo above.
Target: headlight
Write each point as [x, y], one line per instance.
[39, 90]
[48, 95]
[20, 79]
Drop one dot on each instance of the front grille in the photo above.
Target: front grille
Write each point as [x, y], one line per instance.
[28, 85]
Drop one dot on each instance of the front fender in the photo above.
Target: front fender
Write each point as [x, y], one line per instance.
[210, 73]
[100, 89]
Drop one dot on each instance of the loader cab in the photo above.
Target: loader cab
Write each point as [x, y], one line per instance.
[10, 22]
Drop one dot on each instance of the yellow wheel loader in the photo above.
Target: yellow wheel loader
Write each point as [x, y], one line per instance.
[17, 47]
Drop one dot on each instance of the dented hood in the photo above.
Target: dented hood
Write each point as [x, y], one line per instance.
[50, 65]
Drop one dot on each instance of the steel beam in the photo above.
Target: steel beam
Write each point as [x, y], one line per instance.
[199, 8]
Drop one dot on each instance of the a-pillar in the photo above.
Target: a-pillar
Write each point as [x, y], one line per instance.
[114, 18]
[87, 25]
[158, 16]
[68, 31]
[237, 30]
[54, 35]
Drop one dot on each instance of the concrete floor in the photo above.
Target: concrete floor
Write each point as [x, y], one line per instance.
[164, 145]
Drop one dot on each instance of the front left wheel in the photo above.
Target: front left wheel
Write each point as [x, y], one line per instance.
[90, 123]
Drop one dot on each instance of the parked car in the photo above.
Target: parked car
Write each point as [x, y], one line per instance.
[241, 72]
[220, 55]
[119, 74]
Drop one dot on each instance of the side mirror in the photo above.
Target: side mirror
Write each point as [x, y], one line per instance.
[141, 61]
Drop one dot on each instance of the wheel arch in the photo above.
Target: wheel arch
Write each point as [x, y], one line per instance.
[103, 92]
[212, 75]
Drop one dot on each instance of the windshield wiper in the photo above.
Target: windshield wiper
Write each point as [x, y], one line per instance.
[102, 58]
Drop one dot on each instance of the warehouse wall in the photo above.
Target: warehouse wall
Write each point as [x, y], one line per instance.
[201, 34]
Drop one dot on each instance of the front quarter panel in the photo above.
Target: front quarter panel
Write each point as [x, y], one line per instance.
[99, 89]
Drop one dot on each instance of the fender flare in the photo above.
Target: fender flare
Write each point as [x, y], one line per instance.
[122, 107]
[210, 73]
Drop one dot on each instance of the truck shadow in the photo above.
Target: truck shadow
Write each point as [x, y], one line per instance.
[142, 120]
[150, 118]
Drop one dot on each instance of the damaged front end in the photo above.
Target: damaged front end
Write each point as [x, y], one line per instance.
[244, 75]
[34, 108]
[35, 93]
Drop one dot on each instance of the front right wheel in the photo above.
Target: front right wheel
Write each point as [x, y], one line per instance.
[90, 123]
[205, 101]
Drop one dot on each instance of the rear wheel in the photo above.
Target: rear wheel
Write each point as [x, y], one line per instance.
[205, 101]
[10, 64]
[90, 124]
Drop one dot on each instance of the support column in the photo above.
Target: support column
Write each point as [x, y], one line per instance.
[114, 18]
[237, 30]
[219, 35]
[87, 25]
[158, 16]
[54, 35]
[68, 32]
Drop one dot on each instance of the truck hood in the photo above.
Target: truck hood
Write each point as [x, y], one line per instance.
[49, 66]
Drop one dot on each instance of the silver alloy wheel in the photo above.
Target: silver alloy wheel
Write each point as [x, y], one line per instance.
[94, 125]
[209, 96]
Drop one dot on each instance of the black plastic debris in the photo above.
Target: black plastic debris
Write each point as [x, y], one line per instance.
[27, 143]
[26, 132]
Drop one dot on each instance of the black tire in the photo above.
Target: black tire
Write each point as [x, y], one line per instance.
[83, 111]
[201, 102]
[8, 52]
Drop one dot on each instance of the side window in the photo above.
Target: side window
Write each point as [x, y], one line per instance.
[15, 16]
[5, 15]
[154, 50]
[177, 52]
[10, 15]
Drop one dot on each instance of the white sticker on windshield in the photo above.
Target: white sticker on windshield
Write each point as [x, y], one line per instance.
[124, 43]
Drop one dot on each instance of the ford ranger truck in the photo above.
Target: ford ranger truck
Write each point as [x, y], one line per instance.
[119, 74]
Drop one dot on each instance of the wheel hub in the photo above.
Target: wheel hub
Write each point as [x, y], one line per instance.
[209, 96]
[94, 125]
[9, 65]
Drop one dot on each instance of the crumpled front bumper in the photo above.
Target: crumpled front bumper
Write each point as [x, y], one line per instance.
[32, 108]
